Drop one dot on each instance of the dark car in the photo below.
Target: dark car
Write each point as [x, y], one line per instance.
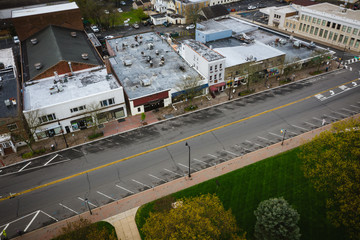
[167, 24]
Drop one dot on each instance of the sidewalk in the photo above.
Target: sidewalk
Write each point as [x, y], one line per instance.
[118, 214]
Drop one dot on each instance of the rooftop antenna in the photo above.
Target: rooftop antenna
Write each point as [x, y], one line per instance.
[72, 73]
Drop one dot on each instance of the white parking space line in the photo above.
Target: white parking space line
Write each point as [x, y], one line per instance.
[340, 114]
[264, 138]
[51, 159]
[157, 178]
[300, 127]
[317, 119]
[212, 156]
[187, 167]
[231, 153]
[24, 166]
[310, 124]
[355, 106]
[108, 140]
[49, 215]
[173, 172]
[331, 117]
[243, 148]
[349, 110]
[32, 220]
[292, 133]
[6, 226]
[248, 141]
[276, 135]
[76, 150]
[106, 195]
[124, 189]
[199, 161]
[140, 183]
[68, 208]
[258, 145]
[87, 201]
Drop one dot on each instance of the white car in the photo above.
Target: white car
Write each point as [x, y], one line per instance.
[123, 3]
[192, 26]
[251, 7]
[106, 11]
[109, 37]
[136, 26]
[120, 10]
[16, 40]
[95, 28]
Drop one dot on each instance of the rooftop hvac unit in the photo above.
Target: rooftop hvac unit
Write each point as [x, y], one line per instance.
[145, 82]
[7, 102]
[127, 62]
[34, 41]
[38, 66]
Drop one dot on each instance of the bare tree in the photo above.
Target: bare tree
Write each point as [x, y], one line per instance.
[31, 123]
[189, 88]
[93, 110]
[192, 13]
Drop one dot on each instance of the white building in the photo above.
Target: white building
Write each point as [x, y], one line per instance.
[209, 63]
[66, 104]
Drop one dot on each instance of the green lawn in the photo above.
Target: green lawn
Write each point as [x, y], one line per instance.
[135, 16]
[243, 189]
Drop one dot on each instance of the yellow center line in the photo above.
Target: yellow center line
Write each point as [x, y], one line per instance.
[166, 145]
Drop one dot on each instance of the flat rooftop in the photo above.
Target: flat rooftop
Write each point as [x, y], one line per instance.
[158, 77]
[44, 9]
[8, 91]
[237, 52]
[335, 10]
[237, 26]
[80, 85]
[204, 51]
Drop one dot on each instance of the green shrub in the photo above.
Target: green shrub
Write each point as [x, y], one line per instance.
[191, 108]
[27, 155]
[32, 154]
[96, 135]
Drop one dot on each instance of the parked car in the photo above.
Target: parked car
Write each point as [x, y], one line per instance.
[192, 26]
[123, 3]
[251, 7]
[167, 24]
[135, 25]
[109, 37]
[106, 11]
[95, 28]
[119, 10]
[16, 40]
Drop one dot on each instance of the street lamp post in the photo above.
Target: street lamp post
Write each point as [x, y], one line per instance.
[62, 131]
[186, 144]
[87, 203]
[283, 131]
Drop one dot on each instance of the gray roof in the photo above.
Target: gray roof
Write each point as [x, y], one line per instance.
[215, 11]
[8, 91]
[56, 44]
[204, 51]
[134, 77]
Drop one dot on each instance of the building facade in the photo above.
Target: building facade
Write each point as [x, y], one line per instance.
[325, 23]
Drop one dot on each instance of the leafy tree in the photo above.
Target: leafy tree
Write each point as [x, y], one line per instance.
[202, 217]
[276, 220]
[143, 116]
[332, 163]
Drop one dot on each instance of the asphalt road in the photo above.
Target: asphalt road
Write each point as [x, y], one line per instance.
[118, 166]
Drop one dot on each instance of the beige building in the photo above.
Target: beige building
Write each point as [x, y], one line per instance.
[325, 23]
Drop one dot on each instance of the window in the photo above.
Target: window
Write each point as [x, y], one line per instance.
[47, 118]
[220, 66]
[215, 67]
[139, 109]
[343, 28]
[290, 25]
[319, 21]
[325, 33]
[300, 26]
[341, 38]
[346, 39]
[107, 102]
[323, 22]
[219, 75]
[316, 31]
[309, 19]
[330, 35]
[328, 24]
[302, 17]
[287, 24]
[349, 29]
[306, 17]
[304, 27]
[333, 25]
[12, 126]
[210, 68]
[355, 31]
[215, 77]
[78, 109]
[351, 41]
[321, 32]
[210, 78]
[357, 43]
[312, 30]
[314, 20]
[338, 26]
[294, 26]
[307, 28]
[335, 37]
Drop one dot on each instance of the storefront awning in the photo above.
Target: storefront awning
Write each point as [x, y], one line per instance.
[216, 86]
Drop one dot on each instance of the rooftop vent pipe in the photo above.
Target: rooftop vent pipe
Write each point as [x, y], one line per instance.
[38, 66]
[73, 34]
[85, 56]
[34, 41]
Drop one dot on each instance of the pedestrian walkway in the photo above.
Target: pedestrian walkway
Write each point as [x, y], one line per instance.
[124, 223]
